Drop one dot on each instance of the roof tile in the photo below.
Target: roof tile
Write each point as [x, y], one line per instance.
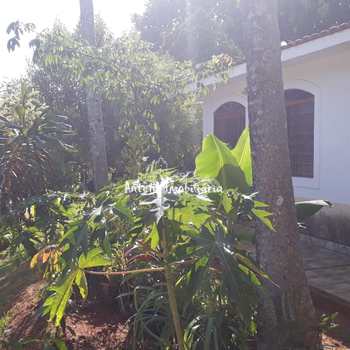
[321, 34]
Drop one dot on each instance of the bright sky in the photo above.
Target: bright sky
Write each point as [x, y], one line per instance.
[43, 13]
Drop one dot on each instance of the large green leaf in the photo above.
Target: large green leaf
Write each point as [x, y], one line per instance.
[56, 303]
[192, 211]
[94, 258]
[243, 155]
[154, 236]
[217, 162]
[264, 216]
[81, 282]
[307, 209]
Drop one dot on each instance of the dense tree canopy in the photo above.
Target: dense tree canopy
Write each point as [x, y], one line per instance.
[301, 17]
[33, 147]
[192, 29]
[147, 113]
[197, 29]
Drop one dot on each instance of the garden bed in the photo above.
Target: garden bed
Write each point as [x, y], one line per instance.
[102, 327]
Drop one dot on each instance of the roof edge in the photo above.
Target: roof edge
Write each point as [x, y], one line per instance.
[307, 45]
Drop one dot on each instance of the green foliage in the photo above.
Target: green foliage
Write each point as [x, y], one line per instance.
[210, 251]
[32, 139]
[218, 162]
[56, 303]
[188, 29]
[233, 169]
[199, 29]
[302, 17]
[17, 29]
[148, 113]
[191, 233]
[175, 248]
[179, 242]
[242, 153]
[46, 343]
[61, 292]
[4, 320]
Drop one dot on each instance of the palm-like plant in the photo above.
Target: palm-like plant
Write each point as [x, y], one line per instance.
[30, 144]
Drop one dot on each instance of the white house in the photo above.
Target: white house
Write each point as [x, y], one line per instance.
[316, 71]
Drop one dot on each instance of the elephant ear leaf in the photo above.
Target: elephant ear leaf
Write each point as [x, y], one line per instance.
[307, 209]
[243, 155]
[217, 162]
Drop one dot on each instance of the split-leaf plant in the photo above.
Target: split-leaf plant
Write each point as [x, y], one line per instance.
[177, 242]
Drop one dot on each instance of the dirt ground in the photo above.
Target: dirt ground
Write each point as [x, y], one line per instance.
[101, 327]
[94, 327]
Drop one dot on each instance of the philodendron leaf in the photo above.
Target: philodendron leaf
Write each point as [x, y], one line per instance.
[264, 216]
[94, 258]
[217, 162]
[81, 282]
[154, 236]
[307, 209]
[56, 303]
[243, 155]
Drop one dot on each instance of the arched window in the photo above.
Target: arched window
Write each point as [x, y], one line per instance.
[301, 117]
[229, 122]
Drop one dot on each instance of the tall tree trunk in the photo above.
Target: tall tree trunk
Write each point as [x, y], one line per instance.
[93, 105]
[288, 319]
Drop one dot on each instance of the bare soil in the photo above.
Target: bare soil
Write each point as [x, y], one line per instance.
[101, 327]
[94, 326]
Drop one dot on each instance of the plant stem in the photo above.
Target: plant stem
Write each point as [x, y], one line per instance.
[170, 283]
[188, 262]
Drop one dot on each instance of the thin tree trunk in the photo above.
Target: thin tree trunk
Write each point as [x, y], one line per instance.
[287, 315]
[94, 105]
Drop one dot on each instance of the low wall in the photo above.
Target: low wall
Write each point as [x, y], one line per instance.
[331, 224]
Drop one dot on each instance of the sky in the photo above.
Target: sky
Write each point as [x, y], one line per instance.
[43, 13]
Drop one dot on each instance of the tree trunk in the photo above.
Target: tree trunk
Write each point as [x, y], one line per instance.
[287, 315]
[93, 105]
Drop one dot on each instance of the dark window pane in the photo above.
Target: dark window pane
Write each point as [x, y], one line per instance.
[301, 117]
[229, 122]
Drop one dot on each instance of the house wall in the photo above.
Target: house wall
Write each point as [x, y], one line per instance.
[326, 74]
